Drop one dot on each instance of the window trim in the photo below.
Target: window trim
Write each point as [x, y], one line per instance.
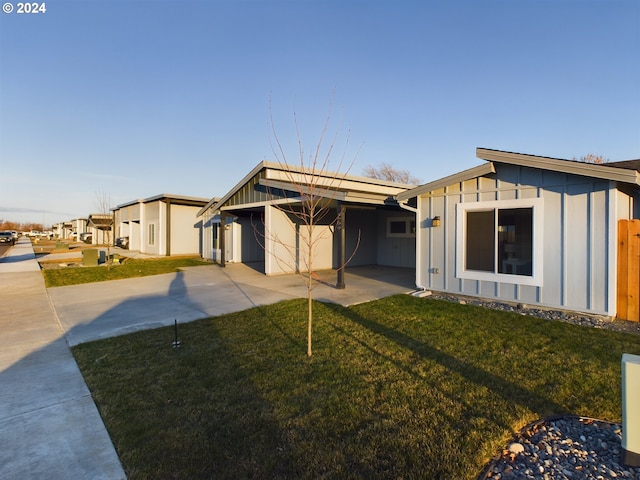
[536, 277]
[408, 230]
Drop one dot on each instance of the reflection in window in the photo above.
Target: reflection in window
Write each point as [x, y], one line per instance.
[513, 235]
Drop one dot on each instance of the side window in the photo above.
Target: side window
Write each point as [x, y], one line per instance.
[152, 234]
[401, 227]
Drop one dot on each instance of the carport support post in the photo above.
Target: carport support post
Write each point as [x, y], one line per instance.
[221, 239]
[342, 244]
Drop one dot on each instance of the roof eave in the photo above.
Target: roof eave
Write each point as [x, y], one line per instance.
[565, 166]
[459, 177]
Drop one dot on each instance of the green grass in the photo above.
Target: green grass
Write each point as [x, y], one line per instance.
[397, 388]
[129, 269]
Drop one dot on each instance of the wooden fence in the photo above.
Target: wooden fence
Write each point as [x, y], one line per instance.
[629, 270]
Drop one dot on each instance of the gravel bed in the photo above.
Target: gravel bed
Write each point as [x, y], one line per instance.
[566, 448]
[562, 448]
[577, 318]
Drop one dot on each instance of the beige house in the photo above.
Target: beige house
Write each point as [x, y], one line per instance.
[164, 224]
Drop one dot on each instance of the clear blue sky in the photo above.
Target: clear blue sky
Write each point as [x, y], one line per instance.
[136, 98]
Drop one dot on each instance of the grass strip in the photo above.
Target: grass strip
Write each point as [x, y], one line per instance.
[130, 268]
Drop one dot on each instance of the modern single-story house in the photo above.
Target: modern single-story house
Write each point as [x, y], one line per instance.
[100, 226]
[164, 224]
[533, 230]
[363, 226]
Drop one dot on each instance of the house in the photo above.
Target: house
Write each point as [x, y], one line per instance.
[530, 229]
[164, 224]
[364, 224]
[100, 226]
[78, 227]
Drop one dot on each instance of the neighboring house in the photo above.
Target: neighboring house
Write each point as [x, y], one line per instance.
[251, 219]
[161, 225]
[78, 227]
[530, 229]
[58, 230]
[67, 230]
[100, 226]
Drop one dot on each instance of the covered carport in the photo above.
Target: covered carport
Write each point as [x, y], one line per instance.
[363, 223]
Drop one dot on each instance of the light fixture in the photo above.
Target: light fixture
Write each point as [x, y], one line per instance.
[435, 221]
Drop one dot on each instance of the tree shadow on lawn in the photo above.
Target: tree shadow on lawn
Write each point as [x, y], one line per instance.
[510, 392]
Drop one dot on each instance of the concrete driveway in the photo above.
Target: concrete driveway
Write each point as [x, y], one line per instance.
[99, 310]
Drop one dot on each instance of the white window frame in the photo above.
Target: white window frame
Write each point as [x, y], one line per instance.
[537, 206]
[409, 231]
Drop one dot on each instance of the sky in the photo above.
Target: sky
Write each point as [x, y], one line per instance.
[127, 99]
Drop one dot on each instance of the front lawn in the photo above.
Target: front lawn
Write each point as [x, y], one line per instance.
[397, 388]
[131, 267]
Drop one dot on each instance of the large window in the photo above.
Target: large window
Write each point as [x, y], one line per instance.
[500, 241]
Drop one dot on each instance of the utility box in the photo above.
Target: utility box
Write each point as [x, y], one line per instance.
[90, 257]
[631, 409]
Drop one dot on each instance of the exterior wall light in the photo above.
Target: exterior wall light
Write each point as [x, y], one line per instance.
[435, 221]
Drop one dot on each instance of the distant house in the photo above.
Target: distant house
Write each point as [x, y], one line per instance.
[78, 227]
[164, 224]
[249, 217]
[100, 226]
[530, 229]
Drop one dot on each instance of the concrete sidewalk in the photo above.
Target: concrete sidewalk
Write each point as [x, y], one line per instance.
[105, 309]
[49, 425]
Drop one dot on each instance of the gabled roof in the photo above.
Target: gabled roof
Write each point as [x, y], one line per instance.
[625, 172]
[328, 184]
[100, 220]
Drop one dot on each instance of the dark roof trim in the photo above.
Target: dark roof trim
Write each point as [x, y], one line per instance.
[595, 170]
[177, 199]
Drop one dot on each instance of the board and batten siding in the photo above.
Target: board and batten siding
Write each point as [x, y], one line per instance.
[579, 238]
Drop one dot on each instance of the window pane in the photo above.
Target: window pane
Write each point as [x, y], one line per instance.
[397, 226]
[480, 241]
[515, 241]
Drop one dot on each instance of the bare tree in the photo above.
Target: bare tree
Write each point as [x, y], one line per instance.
[103, 205]
[592, 158]
[309, 205]
[387, 172]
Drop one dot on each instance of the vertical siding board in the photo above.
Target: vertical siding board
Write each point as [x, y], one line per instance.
[599, 248]
[577, 253]
[552, 290]
[439, 243]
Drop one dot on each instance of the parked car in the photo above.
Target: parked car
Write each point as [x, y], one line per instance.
[122, 242]
[86, 237]
[7, 237]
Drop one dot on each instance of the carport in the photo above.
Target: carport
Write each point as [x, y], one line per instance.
[364, 224]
